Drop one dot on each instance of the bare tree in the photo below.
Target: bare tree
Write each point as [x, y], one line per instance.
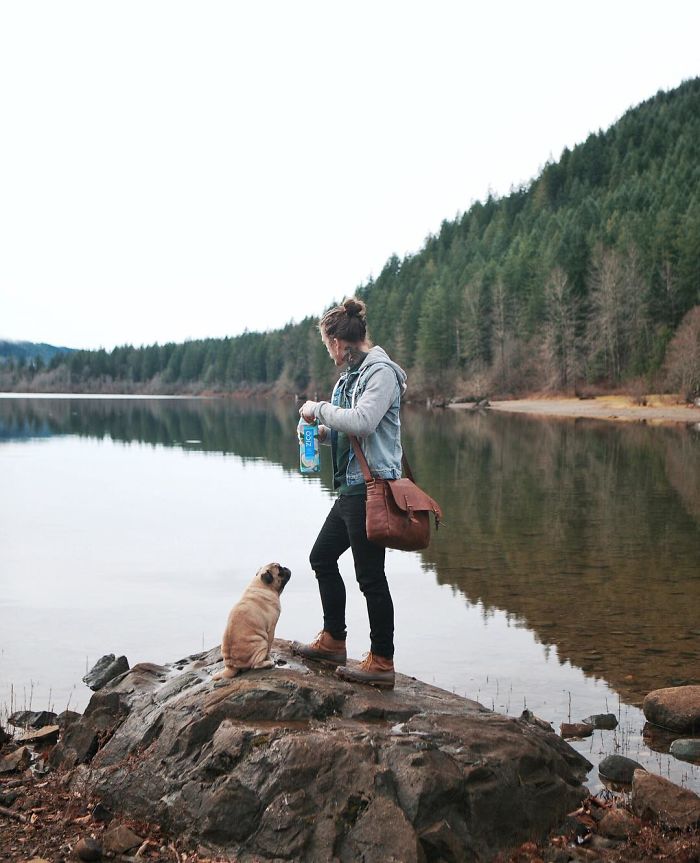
[683, 356]
[604, 333]
[618, 320]
[635, 321]
[561, 348]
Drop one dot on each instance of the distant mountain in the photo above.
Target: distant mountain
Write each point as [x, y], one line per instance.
[30, 351]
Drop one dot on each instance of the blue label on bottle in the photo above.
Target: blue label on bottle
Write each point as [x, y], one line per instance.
[309, 447]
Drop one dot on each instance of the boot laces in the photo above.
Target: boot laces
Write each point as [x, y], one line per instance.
[316, 643]
[367, 660]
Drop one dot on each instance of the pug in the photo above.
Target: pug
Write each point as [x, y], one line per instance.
[250, 628]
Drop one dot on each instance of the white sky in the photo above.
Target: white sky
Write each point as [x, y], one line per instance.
[174, 170]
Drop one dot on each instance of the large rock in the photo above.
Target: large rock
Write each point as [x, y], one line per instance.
[660, 800]
[676, 708]
[293, 763]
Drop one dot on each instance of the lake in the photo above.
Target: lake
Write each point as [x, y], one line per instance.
[566, 578]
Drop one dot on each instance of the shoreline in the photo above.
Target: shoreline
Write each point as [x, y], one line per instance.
[658, 410]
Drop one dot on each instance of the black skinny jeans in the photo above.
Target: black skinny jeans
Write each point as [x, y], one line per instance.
[345, 528]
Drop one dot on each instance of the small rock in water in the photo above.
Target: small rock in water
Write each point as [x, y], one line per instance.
[669, 804]
[576, 729]
[617, 768]
[31, 718]
[606, 721]
[104, 670]
[686, 749]
[676, 708]
[88, 849]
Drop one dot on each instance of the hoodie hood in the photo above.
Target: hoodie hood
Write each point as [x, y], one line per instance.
[376, 355]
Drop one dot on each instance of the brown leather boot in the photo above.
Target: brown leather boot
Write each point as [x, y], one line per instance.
[324, 648]
[376, 670]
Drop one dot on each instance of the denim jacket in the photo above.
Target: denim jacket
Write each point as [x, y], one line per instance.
[374, 392]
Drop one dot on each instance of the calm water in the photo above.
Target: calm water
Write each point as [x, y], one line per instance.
[566, 578]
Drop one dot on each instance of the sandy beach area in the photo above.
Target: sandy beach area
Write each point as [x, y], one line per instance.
[657, 410]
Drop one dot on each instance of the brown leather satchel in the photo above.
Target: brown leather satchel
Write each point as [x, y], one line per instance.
[398, 512]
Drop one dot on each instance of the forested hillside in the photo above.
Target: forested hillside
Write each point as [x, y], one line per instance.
[588, 275]
[37, 354]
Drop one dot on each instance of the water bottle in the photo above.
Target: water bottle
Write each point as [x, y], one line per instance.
[309, 456]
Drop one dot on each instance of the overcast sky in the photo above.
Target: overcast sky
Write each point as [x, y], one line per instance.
[175, 170]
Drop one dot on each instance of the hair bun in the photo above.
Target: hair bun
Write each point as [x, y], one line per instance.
[354, 308]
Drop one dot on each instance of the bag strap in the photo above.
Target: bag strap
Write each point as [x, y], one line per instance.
[365, 467]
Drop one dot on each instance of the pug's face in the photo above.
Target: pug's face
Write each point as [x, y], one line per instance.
[274, 575]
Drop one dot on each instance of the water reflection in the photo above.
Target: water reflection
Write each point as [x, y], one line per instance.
[586, 533]
[210, 425]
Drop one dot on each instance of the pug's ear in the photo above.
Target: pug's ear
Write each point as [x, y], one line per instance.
[267, 577]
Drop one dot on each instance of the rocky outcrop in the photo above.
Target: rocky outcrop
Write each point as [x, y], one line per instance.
[676, 708]
[293, 763]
